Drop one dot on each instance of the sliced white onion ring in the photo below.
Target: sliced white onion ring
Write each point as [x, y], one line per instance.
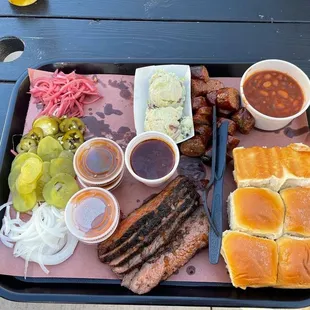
[44, 239]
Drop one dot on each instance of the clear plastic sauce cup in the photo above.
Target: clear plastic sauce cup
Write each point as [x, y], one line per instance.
[92, 214]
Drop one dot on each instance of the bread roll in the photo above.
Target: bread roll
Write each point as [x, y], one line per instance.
[251, 261]
[294, 264]
[274, 168]
[295, 159]
[297, 218]
[258, 167]
[257, 211]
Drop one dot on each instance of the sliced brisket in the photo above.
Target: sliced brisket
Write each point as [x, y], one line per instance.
[163, 237]
[192, 236]
[147, 233]
[158, 207]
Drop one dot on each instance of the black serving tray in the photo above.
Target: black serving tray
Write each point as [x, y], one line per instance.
[110, 291]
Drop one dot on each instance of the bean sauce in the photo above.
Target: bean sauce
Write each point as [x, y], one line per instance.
[273, 93]
[152, 159]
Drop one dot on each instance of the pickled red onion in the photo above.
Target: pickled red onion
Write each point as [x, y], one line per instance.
[44, 239]
[64, 94]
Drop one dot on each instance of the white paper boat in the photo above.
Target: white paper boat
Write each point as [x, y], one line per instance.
[141, 93]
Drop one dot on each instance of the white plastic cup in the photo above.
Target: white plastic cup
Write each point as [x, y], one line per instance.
[150, 135]
[266, 122]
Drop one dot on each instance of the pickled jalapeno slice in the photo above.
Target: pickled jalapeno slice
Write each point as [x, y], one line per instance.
[35, 134]
[72, 123]
[72, 140]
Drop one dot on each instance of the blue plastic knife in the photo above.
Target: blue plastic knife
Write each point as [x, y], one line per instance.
[215, 237]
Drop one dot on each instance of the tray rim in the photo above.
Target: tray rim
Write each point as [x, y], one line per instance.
[123, 299]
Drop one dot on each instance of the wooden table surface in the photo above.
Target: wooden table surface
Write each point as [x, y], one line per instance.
[183, 31]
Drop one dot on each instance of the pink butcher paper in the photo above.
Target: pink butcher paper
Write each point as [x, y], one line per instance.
[112, 117]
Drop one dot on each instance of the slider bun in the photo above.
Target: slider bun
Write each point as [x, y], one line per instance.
[251, 261]
[295, 159]
[297, 218]
[256, 211]
[274, 168]
[294, 264]
[258, 167]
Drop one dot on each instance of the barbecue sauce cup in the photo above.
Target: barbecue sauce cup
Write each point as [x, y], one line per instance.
[152, 158]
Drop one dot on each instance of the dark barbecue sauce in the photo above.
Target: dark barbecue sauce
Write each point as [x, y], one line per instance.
[152, 159]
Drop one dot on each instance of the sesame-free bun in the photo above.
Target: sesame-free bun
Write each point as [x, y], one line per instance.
[256, 211]
[294, 265]
[251, 261]
[274, 168]
[297, 217]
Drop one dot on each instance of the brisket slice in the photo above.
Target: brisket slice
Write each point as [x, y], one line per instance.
[126, 281]
[150, 228]
[189, 201]
[192, 236]
[162, 238]
[160, 204]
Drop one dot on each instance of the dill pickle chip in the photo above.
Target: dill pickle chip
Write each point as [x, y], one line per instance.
[24, 202]
[12, 178]
[31, 170]
[61, 165]
[49, 148]
[33, 150]
[60, 189]
[23, 187]
[43, 180]
[21, 158]
[39, 191]
[46, 171]
[17, 165]
[66, 154]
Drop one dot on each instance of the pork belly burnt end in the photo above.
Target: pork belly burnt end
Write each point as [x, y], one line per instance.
[214, 85]
[198, 102]
[200, 73]
[228, 99]
[201, 88]
[232, 126]
[194, 147]
[204, 131]
[244, 120]
[211, 98]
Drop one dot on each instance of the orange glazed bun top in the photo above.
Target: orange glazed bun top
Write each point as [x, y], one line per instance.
[297, 218]
[257, 211]
[251, 261]
[294, 265]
